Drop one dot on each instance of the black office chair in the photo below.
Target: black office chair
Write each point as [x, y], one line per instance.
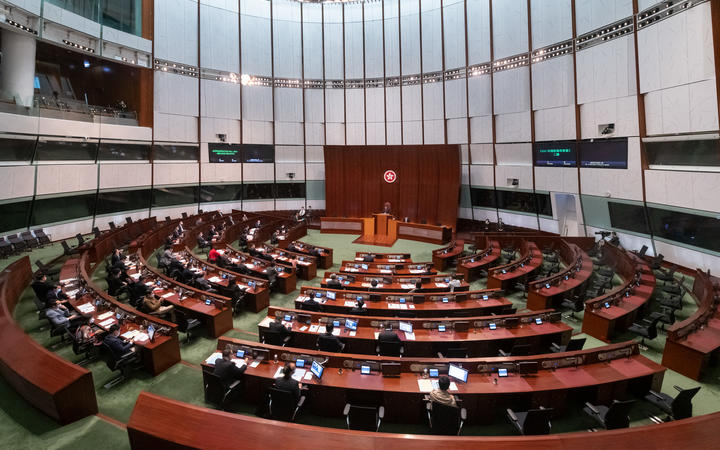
[363, 418]
[80, 239]
[327, 344]
[573, 345]
[6, 248]
[29, 239]
[610, 417]
[534, 421]
[454, 352]
[606, 272]
[671, 301]
[574, 304]
[40, 307]
[96, 232]
[126, 364]
[88, 349]
[43, 238]
[273, 337]
[47, 270]
[656, 262]
[186, 324]
[646, 328]
[67, 250]
[516, 350]
[18, 243]
[445, 419]
[666, 276]
[58, 330]
[216, 393]
[672, 288]
[666, 316]
[282, 405]
[677, 408]
[384, 348]
[202, 244]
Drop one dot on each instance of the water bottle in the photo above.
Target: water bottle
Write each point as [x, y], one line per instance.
[275, 359]
[425, 372]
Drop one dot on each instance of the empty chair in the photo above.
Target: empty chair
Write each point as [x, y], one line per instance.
[666, 316]
[17, 243]
[534, 421]
[125, 363]
[647, 328]
[184, 215]
[185, 324]
[672, 288]
[167, 219]
[282, 405]
[67, 250]
[671, 301]
[6, 248]
[445, 419]
[41, 236]
[573, 345]
[656, 262]
[606, 272]
[80, 239]
[454, 352]
[575, 304]
[667, 276]
[111, 225]
[274, 337]
[516, 350]
[642, 251]
[389, 348]
[363, 418]
[217, 393]
[610, 417]
[128, 219]
[677, 408]
[96, 232]
[29, 239]
[47, 270]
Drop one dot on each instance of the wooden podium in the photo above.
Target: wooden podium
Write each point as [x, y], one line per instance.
[380, 229]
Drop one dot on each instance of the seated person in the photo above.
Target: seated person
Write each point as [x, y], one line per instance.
[175, 268]
[187, 276]
[334, 283]
[271, 273]
[116, 283]
[369, 258]
[154, 305]
[181, 227]
[211, 233]
[116, 257]
[454, 284]
[373, 284]
[359, 308]
[236, 294]
[213, 256]
[291, 248]
[84, 334]
[274, 239]
[60, 317]
[258, 224]
[329, 338]
[118, 345]
[203, 284]
[137, 290]
[276, 325]
[417, 288]
[165, 257]
[311, 304]
[286, 381]
[388, 335]
[41, 287]
[227, 370]
[441, 395]
[54, 295]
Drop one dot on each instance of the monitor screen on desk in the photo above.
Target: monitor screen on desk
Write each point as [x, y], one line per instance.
[441, 328]
[318, 295]
[445, 300]
[485, 297]
[538, 320]
[547, 285]
[365, 370]
[240, 353]
[151, 332]
[401, 300]
[330, 295]
[458, 373]
[300, 363]
[336, 323]
[434, 373]
[406, 327]
[502, 372]
[492, 326]
[607, 305]
[351, 324]
[317, 369]
[364, 267]
[287, 318]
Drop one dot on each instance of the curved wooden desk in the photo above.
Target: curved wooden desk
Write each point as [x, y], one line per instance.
[443, 256]
[625, 302]
[479, 339]
[305, 265]
[387, 268]
[471, 303]
[58, 388]
[690, 344]
[324, 254]
[549, 292]
[502, 277]
[393, 283]
[471, 266]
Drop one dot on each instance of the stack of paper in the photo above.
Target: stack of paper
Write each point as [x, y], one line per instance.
[141, 337]
[105, 315]
[409, 336]
[407, 286]
[425, 385]
[385, 271]
[349, 303]
[169, 294]
[313, 328]
[135, 276]
[336, 331]
[416, 271]
[215, 279]
[214, 357]
[86, 308]
[441, 285]
[129, 334]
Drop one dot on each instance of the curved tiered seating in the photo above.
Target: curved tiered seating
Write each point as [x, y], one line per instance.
[324, 254]
[486, 256]
[615, 311]
[549, 292]
[442, 257]
[482, 336]
[433, 304]
[691, 343]
[394, 283]
[519, 270]
[58, 388]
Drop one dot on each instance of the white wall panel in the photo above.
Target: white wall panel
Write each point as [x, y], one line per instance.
[312, 40]
[289, 153]
[219, 39]
[619, 183]
[314, 105]
[592, 14]
[694, 190]
[556, 179]
[220, 99]
[256, 132]
[257, 103]
[551, 22]
[211, 127]
[315, 171]
[432, 38]
[54, 179]
[553, 83]
[510, 27]
[514, 154]
[335, 105]
[621, 111]
[512, 127]
[410, 36]
[519, 220]
[258, 172]
[125, 175]
[478, 31]
[18, 181]
[687, 257]
[169, 127]
[175, 173]
[175, 94]
[482, 154]
[354, 65]
[287, 44]
[221, 173]
[555, 124]
[176, 31]
[289, 133]
[255, 39]
[334, 54]
[373, 40]
[288, 105]
[454, 33]
[511, 90]
[392, 38]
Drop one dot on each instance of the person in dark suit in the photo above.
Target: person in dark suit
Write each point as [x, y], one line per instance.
[311, 304]
[118, 345]
[286, 381]
[417, 288]
[276, 325]
[272, 274]
[329, 339]
[175, 268]
[359, 308]
[116, 283]
[388, 335]
[369, 258]
[41, 287]
[138, 290]
[54, 295]
[291, 248]
[116, 257]
[227, 370]
[386, 208]
[236, 294]
[334, 283]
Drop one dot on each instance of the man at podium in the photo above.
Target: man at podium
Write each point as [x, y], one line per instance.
[386, 208]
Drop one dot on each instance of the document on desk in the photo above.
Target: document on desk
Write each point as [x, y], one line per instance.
[214, 279]
[441, 285]
[393, 306]
[240, 363]
[308, 376]
[313, 328]
[385, 271]
[297, 375]
[353, 333]
[107, 323]
[366, 285]
[425, 385]
[349, 303]
[169, 294]
[303, 328]
[265, 322]
[336, 331]
[86, 308]
[130, 334]
[255, 363]
[67, 280]
[322, 329]
[403, 306]
[105, 315]
[135, 276]
[411, 306]
[214, 357]
[149, 283]
[140, 336]
[409, 336]
[416, 271]
[453, 386]
[377, 333]
[407, 286]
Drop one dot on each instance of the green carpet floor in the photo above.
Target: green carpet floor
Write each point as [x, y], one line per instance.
[24, 427]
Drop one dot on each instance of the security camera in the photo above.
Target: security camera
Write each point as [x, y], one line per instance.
[290, 175]
[222, 137]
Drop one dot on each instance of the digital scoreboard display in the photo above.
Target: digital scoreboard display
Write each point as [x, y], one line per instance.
[224, 153]
[555, 154]
[604, 153]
